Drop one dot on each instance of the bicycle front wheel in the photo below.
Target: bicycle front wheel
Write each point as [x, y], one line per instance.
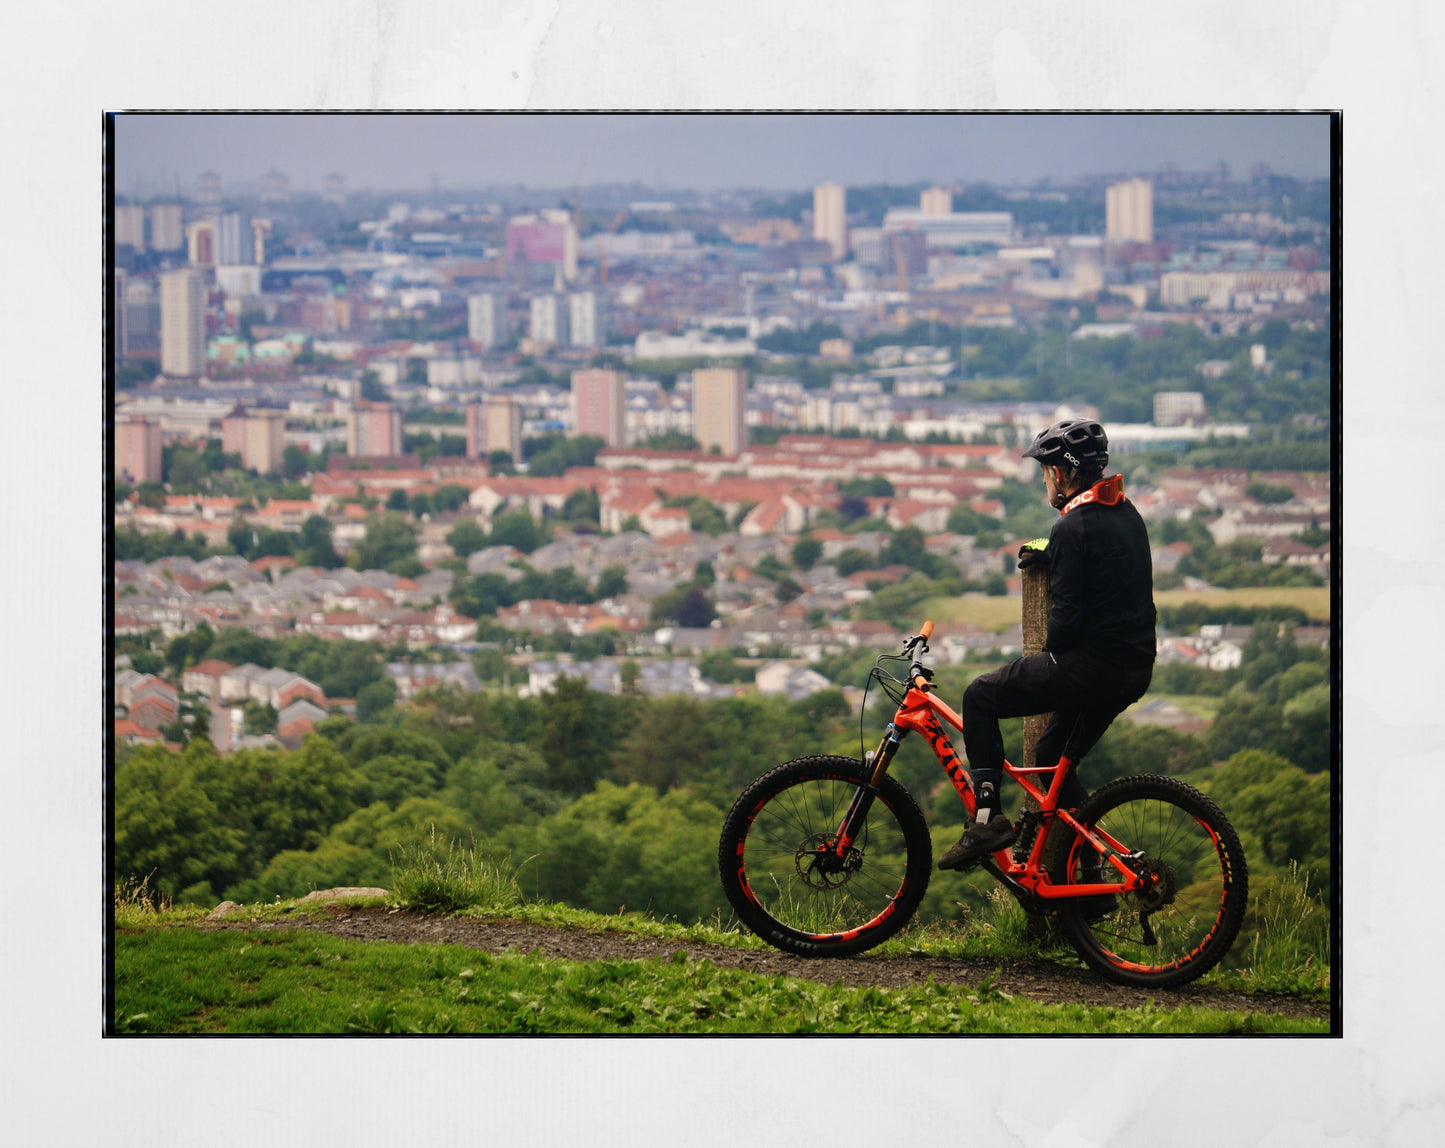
[1188, 913]
[788, 886]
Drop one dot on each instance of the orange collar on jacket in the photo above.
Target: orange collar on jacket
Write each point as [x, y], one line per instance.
[1107, 492]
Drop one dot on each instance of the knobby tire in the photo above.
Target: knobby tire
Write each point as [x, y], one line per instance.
[766, 858]
[1187, 922]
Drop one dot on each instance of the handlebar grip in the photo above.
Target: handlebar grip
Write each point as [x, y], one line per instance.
[920, 681]
[926, 630]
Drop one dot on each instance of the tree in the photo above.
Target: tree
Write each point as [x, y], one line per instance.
[168, 828]
[317, 548]
[374, 697]
[1268, 493]
[630, 673]
[187, 649]
[721, 667]
[853, 559]
[770, 566]
[1244, 721]
[663, 745]
[612, 582]
[517, 528]
[873, 486]
[1274, 802]
[627, 847]
[577, 735]
[238, 646]
[260, 717]
[466, 537]
[964, 519]
[371, 389]
[806, 552]
[393, 778]
[478, 788]
[907, 547]
[295, 461]
[686, 605]
[696, 609]
[582, 505]
[388, 538]
[788, 589]
[1307, 728]
[450, 497]
[1269, 650]
[526, 774]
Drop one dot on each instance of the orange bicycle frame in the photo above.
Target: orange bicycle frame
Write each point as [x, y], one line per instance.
[924, 712]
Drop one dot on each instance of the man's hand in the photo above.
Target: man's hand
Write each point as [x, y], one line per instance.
[1033, 552]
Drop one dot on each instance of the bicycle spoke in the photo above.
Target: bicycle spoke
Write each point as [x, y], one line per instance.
[1181, 918]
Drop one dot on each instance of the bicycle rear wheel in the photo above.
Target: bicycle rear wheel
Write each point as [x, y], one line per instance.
[775, 866]
[1189, 914]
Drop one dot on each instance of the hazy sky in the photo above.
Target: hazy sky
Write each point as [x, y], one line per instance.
[384, 151]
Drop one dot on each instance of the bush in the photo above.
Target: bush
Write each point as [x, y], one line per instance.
[442, 877]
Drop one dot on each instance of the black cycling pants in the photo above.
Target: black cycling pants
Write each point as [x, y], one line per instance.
[1082, 693]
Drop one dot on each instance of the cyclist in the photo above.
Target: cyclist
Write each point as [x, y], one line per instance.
[1098, 656]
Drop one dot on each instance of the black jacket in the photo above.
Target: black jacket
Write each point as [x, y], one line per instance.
[1102, 581]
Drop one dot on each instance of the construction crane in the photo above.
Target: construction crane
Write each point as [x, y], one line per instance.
[602, 242]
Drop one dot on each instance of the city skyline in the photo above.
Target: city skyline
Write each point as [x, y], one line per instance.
[163, 153]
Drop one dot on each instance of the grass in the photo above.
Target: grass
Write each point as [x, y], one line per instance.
[1288, 951]
[187, 981]
[174, 979]
[444, 877]
[994, 614]
[1313, 600]
[999, 614]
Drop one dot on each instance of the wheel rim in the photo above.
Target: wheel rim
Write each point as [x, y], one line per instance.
[1172, 920]
[786, 874]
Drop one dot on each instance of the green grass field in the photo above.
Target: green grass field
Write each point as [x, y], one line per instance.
[172, 977]
[181, 980]
[998, 614]
[1313, 600]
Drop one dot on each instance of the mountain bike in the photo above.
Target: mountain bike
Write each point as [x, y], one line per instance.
[829, 856]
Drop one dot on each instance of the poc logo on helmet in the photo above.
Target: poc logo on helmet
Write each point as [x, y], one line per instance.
[1072, 460]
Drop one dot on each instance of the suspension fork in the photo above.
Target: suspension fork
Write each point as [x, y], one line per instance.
[863, 796]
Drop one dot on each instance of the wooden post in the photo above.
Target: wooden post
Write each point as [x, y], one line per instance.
[1037, 601]
[1036, 604]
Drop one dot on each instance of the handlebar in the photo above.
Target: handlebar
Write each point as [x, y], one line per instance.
[918, 679]
[919, 639]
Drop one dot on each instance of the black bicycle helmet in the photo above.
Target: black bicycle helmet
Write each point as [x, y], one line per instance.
[1077, 443]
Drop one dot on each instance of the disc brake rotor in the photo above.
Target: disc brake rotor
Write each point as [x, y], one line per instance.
[819, 865]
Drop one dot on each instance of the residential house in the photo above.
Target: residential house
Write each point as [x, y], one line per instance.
[429, 628]
[339, 625]
[293, 688]
[236, 682]
[603, 675]
[296, 721]
[133, 733]
[791, 679]
[1162, 712]
[411, 677]
[496, 560]
[664, 677]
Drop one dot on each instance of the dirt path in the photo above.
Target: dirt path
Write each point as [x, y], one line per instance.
[1037, 980]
